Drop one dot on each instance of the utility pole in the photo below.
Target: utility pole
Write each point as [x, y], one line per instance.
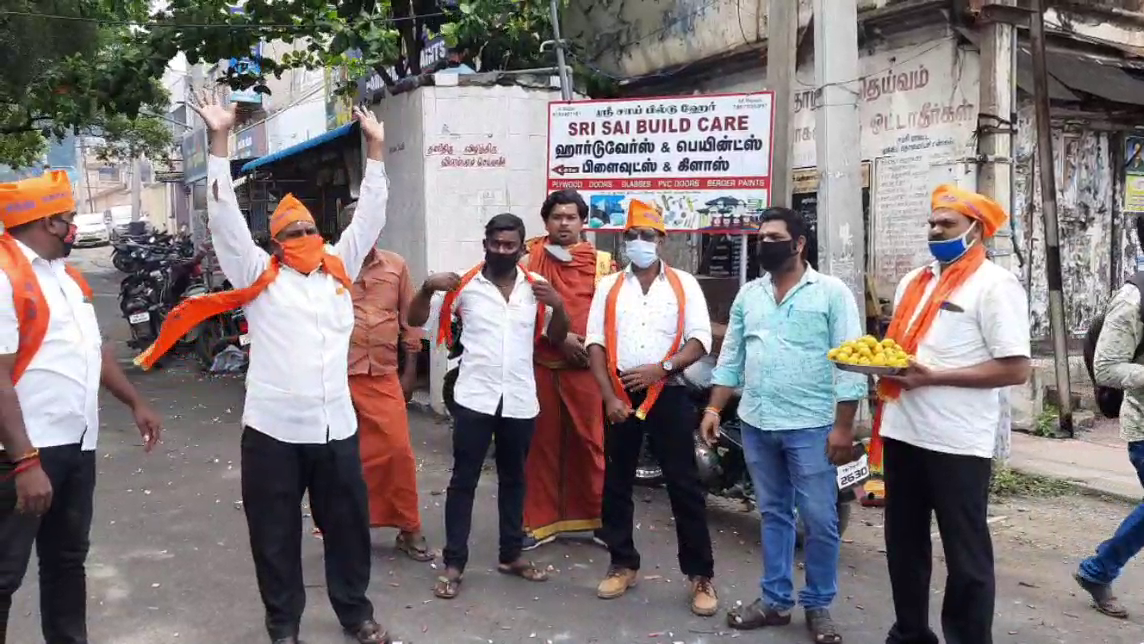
[841, 229]
[782, 55]
[1049, 214]
[136, 186]
[997, 124]
[561, 64]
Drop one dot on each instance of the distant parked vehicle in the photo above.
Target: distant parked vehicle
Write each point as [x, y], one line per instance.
[91, 230]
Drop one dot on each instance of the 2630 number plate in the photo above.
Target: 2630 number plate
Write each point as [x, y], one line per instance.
[853, 473]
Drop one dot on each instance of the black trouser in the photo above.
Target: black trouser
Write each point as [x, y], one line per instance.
[472, 434]
[670, 427]
[61, 540]
[275, 475]
[919, 483]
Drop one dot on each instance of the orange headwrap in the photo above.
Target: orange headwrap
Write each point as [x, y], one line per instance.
[972, 205]
[643, 215]
[289, 210]
[35, 198]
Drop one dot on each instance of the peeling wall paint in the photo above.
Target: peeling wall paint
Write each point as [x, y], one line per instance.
[1085, 209]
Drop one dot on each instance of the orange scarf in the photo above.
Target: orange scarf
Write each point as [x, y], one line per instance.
[610, 340]
[29, 302]
[445, 320]
[909, 336]
[193, 311]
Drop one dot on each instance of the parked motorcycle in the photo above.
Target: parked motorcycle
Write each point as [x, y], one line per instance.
[147, 295]
[222, 331]
[723, 466]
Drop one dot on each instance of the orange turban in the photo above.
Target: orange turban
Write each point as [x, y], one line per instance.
[289, 210]
[36, 198]
[642, 215]
[977, 207]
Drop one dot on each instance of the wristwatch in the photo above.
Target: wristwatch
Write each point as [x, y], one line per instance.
[667, 365]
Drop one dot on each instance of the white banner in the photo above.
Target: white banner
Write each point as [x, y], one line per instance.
[704, 160]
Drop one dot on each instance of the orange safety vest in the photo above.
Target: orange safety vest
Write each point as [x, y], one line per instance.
[610, 340]
[31, 307]
[445, 320]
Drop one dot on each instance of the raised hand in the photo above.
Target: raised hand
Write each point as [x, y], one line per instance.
[373, 129]
[218, 117]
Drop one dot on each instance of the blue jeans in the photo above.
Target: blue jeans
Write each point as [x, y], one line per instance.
[790, 468]
[1128, 540]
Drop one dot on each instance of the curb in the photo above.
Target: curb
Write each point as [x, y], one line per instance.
[1083, 488]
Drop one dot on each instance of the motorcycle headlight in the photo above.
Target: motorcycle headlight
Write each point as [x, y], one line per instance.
[708, 463]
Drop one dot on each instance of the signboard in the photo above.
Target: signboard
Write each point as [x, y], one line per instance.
[251, 143]
[704, 160]
[194, 156]
[247, 67]
[1134, 174]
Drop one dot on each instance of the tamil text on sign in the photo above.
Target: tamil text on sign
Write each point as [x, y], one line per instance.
[704, 160]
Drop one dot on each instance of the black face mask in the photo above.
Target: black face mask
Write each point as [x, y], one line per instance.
[501, 263]
[773, 254]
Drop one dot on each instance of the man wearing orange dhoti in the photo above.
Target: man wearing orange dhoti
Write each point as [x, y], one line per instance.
[380, 390]
[565, 470]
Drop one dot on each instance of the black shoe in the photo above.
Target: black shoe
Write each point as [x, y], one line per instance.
[369, 632]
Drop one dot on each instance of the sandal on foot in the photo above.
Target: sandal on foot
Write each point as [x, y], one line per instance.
[369, 632]
[821, 627]
[414, 548]
[1102, 598]
[756, 615]
[447, 587]
[523, 569]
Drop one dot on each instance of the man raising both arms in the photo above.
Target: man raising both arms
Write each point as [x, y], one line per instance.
[300, 429]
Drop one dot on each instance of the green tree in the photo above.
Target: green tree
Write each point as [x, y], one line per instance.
[72, 66]
[364, 36]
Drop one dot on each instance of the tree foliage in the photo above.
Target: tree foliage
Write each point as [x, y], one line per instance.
[72, 66]
[363, 36]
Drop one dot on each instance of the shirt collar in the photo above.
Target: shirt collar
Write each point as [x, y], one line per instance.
[480, 276]
[32, 255]
[809, 276]
[629, 272]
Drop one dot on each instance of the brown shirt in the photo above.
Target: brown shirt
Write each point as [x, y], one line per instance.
[381, 295]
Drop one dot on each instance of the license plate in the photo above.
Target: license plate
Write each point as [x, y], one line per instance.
[853, 473]
[244, 339]
[136, 318]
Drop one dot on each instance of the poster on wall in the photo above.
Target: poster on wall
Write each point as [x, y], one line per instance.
[1134, 174]
[704, 160]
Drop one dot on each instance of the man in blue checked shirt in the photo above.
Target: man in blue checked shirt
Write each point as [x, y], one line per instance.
[798, 417]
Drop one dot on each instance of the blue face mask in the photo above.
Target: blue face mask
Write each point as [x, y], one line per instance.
[951, 250]
[641, 252]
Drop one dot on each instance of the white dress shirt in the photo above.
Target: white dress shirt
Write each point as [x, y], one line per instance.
[646, 322]
[498, 338]
[59, 391]
[986, 318]
[297, 390]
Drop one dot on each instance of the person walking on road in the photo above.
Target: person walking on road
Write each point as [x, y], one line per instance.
[798, 418]
[504, 310]
[52, 363]
[300, 431]
[565, 468]
[1114, 365]
[965, 320]
[382, 295]
[646, 325]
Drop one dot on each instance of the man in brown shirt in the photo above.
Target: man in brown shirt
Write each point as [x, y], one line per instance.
[381, 298]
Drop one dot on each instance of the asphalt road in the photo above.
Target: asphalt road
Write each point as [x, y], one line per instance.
[170, 560]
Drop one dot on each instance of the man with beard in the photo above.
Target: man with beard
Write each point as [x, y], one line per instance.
[965, 320]
[504, 310]
[52, 362]
[566, 461]
[798, 418]
[646, 325]
[300, 431]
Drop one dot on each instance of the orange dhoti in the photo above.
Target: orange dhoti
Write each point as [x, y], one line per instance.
[387, 460]
[565, 469]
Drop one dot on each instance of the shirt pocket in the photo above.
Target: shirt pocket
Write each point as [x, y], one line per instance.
[805, 326]
[954, 335]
